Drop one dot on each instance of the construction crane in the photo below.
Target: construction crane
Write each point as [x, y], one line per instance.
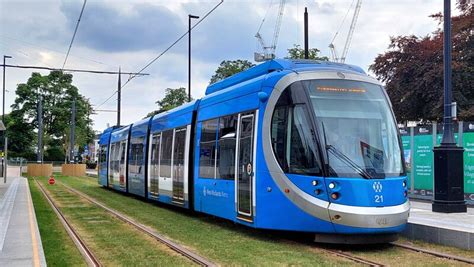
[334, 56]
[269, 51]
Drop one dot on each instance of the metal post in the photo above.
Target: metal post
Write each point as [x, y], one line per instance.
[3, 106]
[5, 160]
[39, 154]
[448, 157]
[4, 133]
[72, 135]
[306, 48]
[189, 54]
[119, 98]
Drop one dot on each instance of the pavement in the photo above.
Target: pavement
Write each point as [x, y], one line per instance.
[452, 229]
[20, 240]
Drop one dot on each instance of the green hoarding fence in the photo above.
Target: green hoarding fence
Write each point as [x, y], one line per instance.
[418, 143]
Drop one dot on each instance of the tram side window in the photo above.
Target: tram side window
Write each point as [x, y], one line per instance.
[207, 149]
[155, 153]
[279, 131]
[123, 152]
[226, 147]
[293, 142]
[102, 154]
[166, 151]
[113, 159]
[136, 155]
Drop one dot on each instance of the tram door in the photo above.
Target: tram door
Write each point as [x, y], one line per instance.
[245, 166]
[178, 164]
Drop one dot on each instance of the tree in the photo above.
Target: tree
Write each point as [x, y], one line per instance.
[298, 53]
[173, 98]
[412, 69]
[57, 92]
[228, 68]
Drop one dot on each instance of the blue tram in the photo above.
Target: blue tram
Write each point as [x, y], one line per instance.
[289, 145]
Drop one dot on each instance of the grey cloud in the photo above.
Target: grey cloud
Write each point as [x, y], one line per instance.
[104, 28]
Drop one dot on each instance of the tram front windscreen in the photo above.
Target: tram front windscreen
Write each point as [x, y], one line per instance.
[357, 127]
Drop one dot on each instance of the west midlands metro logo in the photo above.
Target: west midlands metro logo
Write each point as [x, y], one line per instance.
[377, 186]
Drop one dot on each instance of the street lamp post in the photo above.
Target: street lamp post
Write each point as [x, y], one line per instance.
[448, 157]
[189, 54]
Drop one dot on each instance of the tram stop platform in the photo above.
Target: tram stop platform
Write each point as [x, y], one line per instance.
[20, 241]
[451, 229]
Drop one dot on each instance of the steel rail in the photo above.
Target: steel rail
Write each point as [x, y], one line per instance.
[434, 253]
[152, 233]
[85, 251]
[353, 258]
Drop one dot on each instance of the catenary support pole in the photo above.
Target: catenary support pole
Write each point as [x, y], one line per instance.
[448, 157]
[39, 154]
[189, 54]
[119, 97]
[4, 133]
[73, 131]
[306, 42]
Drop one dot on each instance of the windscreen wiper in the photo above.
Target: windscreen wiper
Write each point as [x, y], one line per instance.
[343, 157]
[350, 162]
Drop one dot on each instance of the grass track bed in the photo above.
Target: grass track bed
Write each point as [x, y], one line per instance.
[114, 242]
[58, 248]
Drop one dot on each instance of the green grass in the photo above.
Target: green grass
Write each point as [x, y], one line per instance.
[220, 240]
[114, 242]
[58, 248]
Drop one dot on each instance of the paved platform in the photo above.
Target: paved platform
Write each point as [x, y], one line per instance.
[452, 229]
[20, 240]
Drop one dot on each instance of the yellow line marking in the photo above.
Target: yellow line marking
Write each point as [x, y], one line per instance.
[36, 261]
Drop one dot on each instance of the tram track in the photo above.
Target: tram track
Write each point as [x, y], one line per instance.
[353, 258]
[144, 229]
[433, 253]
[85, 251]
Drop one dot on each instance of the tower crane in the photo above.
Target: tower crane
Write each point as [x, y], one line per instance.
[269, 51]
[334, 56]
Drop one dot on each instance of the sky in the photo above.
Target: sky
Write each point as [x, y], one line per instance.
[129, 34]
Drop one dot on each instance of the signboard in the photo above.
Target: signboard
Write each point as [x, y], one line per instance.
[406, 144]
[468, 144]
[423, 160]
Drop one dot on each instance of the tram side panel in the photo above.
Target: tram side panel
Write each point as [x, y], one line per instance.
[118, 157]
[216, 157]
[137, 157]
[104, 157]
[169, 156]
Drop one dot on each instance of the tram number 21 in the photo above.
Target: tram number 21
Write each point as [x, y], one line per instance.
[378, 198]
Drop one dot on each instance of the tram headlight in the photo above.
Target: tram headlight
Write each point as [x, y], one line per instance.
[334, 195]
[315, 182]
[404, 183]
[332, 185]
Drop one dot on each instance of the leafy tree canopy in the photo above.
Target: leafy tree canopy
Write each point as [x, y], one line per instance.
[57, 92]
[412, 69]
[296, 52]
[228, 68]
[173, 98]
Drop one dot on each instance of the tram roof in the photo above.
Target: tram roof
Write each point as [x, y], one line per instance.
[279, 65]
